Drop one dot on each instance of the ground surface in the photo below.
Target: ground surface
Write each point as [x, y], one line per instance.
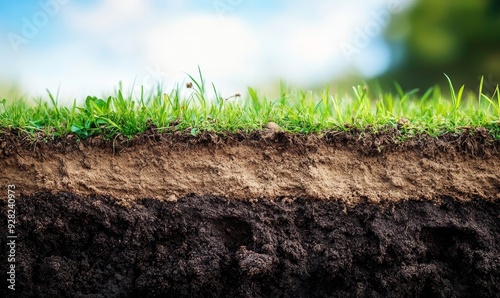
[262, 215]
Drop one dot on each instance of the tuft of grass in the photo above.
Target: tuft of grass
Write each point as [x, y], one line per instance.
[294, 110]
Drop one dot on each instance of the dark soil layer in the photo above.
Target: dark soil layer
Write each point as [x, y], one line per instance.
[72, 246]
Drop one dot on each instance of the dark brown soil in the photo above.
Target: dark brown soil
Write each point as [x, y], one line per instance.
[71, 246]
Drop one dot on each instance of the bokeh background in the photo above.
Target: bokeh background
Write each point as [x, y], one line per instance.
[83, 47]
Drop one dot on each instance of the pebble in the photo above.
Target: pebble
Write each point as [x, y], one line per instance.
[273, 126]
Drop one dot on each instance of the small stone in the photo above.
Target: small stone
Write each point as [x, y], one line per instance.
[273, 126]
[172, 198]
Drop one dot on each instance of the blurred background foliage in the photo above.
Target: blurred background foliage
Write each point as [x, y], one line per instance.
[460, 38]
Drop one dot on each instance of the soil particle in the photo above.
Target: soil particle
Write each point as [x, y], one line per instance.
[72, 246]
[253, 263]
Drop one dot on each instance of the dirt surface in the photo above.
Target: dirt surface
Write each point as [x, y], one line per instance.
[269, 164]
[266, 214]
[71, 246]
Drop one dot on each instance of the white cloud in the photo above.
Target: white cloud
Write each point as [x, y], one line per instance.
[223, 49]
[122, 40]
[108, 16]
[76, 74]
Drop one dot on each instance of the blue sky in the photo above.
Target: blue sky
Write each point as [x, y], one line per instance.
[88, 46]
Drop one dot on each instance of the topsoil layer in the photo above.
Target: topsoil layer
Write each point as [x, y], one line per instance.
[267, 214]
[351, 167]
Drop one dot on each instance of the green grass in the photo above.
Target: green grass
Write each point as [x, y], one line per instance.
[295, 110]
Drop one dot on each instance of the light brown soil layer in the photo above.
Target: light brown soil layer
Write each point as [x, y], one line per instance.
[270, 165]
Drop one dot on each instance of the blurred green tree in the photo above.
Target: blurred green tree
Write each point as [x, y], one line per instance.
[460, 38]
